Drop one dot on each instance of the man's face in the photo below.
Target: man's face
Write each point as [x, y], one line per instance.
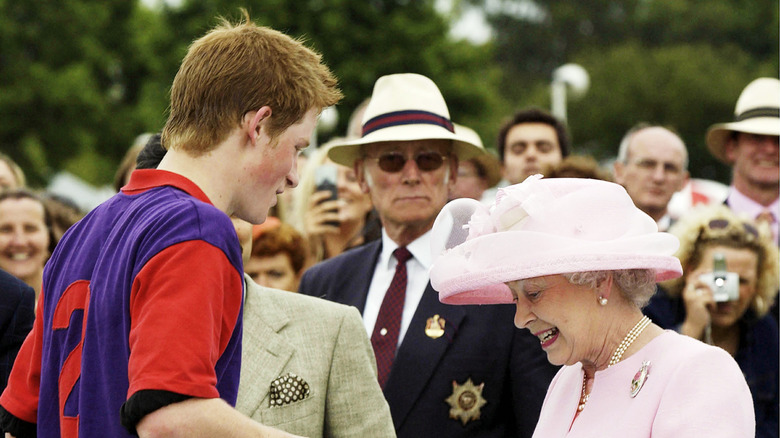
[530, 148]
[411, 197]
[654, 169]
[269, 168]
[755, 159]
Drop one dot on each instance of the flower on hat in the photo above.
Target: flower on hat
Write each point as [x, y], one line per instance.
[480, 224]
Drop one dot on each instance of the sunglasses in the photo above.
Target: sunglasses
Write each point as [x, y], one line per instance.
[720, 224]
[393, 162]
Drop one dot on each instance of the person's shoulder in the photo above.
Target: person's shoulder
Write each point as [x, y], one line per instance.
[353, 257]
[688, 351]
[9, 282]
[303, 304]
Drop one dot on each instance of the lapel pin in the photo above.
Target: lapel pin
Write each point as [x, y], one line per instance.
[434, 327]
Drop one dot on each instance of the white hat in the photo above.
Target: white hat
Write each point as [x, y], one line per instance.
[757, 112]
[487, 159]
[405, 107]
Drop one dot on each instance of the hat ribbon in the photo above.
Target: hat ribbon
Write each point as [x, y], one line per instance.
[766, 111]
[408, 117]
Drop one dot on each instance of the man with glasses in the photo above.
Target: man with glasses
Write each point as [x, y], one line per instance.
[451, 371]
[652, 165]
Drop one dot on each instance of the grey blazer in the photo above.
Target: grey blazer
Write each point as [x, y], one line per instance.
[320, 344]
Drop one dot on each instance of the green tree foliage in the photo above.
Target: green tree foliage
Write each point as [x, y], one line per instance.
[361, 41]
[68, 84]
[680, 63]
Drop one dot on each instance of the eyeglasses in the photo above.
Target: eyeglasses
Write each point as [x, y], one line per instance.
[393, 162]
[720, 224]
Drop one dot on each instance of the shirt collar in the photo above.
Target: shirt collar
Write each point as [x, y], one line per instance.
[142, 180]
[664, 223]
[740, 202]
[420, 249]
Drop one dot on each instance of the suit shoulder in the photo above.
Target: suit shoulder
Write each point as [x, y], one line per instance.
[347, 258]
[306, 304]
[11, 285]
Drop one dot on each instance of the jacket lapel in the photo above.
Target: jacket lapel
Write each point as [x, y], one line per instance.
[355, 280]
[265, 351]
[419, 355]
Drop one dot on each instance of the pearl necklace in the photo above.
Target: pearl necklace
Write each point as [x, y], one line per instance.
[628, 340]
[616, 356]
[583, 398]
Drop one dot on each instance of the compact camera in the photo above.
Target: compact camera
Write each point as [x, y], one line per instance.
[724, 284]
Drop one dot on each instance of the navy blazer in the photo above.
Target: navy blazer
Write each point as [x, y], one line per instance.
[479, 343]
[16, 320]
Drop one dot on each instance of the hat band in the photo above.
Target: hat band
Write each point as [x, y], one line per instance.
[766, 111]
[408, 117]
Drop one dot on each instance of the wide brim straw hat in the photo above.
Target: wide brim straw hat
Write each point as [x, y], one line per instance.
[543, 227]
[405, 107]
[757, 112]
[487, 159]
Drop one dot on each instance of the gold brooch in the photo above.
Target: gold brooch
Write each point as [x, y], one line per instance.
[466, 401]
[434, 327]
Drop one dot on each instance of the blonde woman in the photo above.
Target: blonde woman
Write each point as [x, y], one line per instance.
[332, 226]
[733, 315]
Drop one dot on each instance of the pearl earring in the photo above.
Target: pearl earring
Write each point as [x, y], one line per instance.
[602, 301]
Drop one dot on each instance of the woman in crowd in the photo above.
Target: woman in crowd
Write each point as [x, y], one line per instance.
[733, 315]
[278, 255]
[579, 260]
[333, 226]
[26, 239]
[11, 175]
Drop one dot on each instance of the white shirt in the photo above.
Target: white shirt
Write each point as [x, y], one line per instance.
[417, 269]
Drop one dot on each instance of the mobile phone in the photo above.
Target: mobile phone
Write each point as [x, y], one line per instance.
[325, 180]
[724, 284]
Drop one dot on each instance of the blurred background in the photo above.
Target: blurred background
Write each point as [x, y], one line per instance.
[81, 79]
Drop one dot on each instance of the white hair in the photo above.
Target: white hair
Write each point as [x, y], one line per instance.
[637, 285]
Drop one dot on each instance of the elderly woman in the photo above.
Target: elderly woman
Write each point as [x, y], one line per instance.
[579, 260]
[733, 316]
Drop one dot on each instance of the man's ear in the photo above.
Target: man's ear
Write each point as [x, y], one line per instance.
[360, 168]
[618, 169]
[731, 149]
[254, 121]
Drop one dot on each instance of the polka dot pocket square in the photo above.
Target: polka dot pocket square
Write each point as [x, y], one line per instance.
[288, 389]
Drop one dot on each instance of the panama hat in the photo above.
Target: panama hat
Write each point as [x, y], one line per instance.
[543, 227]
[487, 160]
[757, 112]
[405, 107]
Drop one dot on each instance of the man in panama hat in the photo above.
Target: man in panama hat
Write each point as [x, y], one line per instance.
[451, 371]
[749, 145]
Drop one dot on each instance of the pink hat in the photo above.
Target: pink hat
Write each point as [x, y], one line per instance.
[543, 227]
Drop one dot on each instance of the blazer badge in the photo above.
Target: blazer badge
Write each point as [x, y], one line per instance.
[466, 401]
